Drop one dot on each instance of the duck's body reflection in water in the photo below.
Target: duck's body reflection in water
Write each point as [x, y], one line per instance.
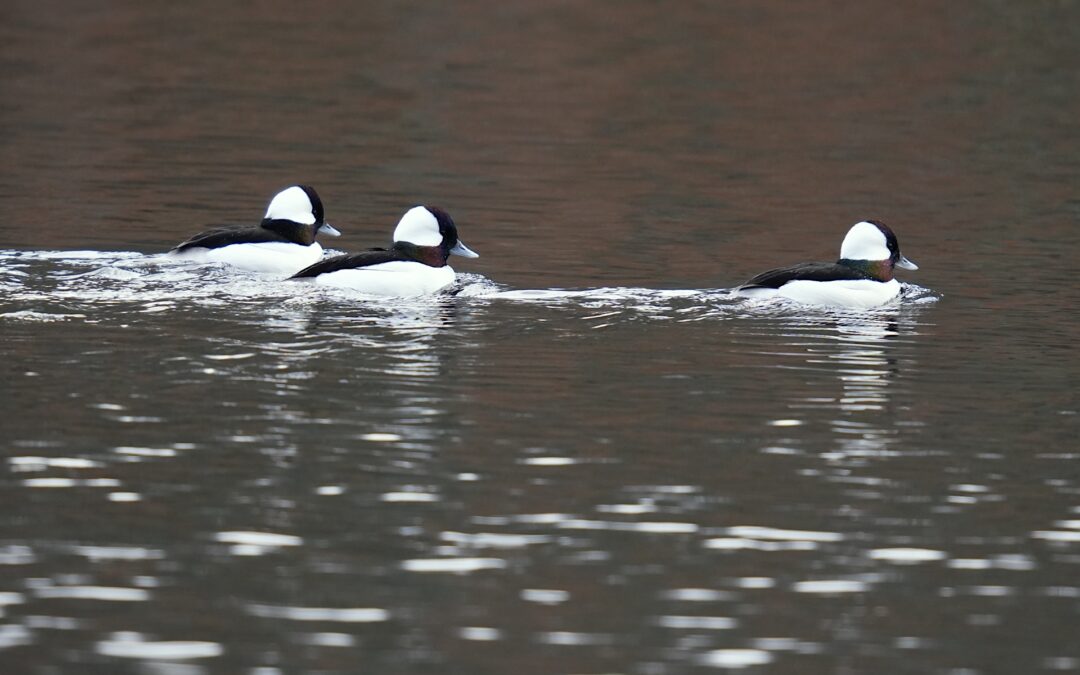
[859, 353]
[388, 361]
[867, 368]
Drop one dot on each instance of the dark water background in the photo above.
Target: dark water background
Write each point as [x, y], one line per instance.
[212, 472]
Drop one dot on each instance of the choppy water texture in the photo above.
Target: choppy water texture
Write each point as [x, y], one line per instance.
[588, 457]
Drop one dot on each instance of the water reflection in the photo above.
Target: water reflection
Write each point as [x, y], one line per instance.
[863, 354]
[381, 472]
[866, 368]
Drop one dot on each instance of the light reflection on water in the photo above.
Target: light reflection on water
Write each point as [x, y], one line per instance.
[395, 459]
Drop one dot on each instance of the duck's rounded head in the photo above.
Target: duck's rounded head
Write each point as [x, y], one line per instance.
[431, 227]
[871, 240]
[299, 204]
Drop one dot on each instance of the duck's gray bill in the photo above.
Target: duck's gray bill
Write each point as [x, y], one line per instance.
[464, 251]
[329, 229]
[906, 264]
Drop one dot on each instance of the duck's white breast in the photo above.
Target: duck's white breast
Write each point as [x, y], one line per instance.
[397, 278]
[272, 257]
[859, 293]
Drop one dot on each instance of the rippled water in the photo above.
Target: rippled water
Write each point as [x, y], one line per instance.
[588, 457]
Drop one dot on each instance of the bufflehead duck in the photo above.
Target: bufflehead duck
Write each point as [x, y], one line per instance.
[282, 243]
[862, 277]
[415, 264]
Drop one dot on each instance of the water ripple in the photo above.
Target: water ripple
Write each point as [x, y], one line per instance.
[156, 283]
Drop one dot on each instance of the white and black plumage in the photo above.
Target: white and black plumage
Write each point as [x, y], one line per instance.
[414, 265]
[862, 277]
[283, 243]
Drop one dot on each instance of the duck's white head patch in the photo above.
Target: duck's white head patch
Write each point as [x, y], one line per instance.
[292, 204]
[418, 226]
[865, 241]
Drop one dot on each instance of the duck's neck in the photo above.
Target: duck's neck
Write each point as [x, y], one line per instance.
[433, 256]
[882, 270]
[295, 232]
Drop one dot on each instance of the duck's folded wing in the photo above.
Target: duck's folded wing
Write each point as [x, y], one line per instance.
[349, 261]
[804, 272]
[226, 236]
